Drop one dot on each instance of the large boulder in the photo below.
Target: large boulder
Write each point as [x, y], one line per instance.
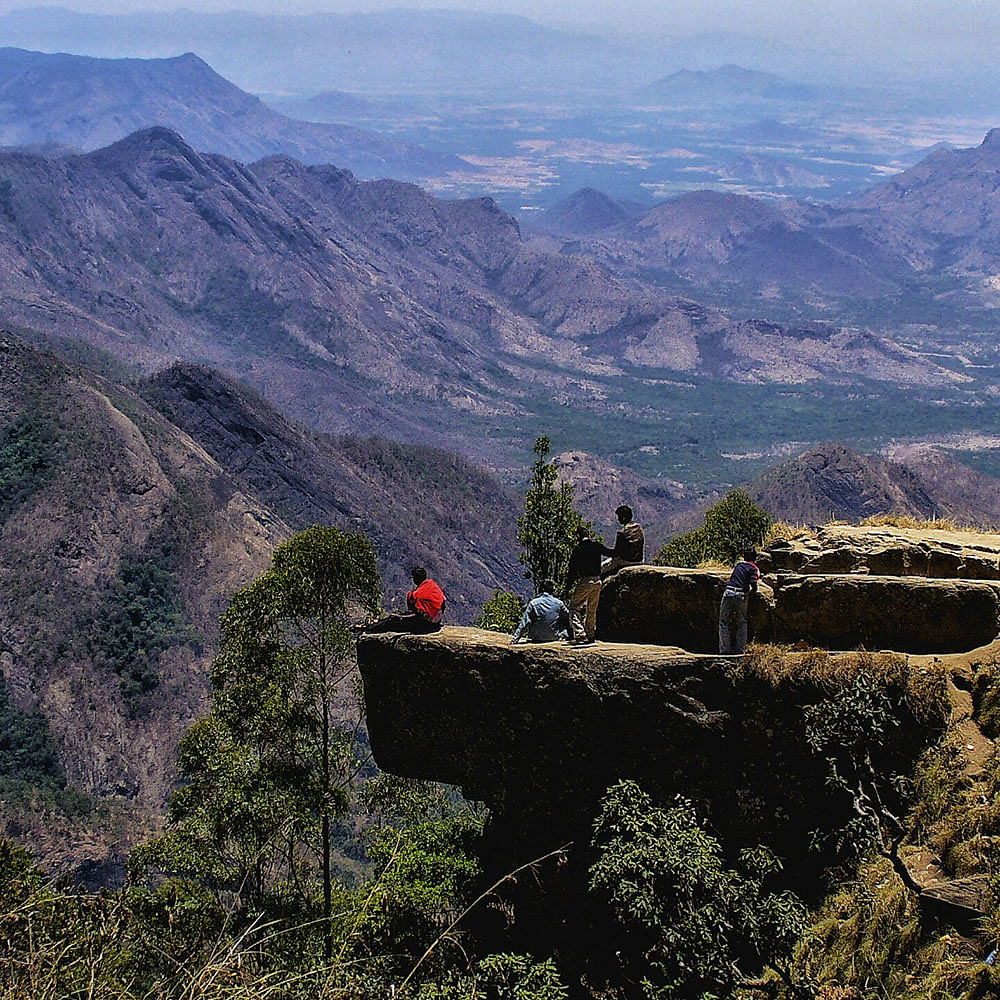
[909, 614]
[883, 550]
[539, 731]
[673, 607]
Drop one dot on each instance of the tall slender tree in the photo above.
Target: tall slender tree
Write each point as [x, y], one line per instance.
[267, 773]
[546, 530]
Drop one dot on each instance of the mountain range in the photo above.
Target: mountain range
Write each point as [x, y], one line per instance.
[926, 237]
[82, 103]
[346, 301]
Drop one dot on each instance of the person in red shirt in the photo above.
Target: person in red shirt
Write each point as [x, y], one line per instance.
[427, 598]
[426, 603]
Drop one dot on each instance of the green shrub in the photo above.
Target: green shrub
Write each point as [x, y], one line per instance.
[730, 526]
[689, 921]
[140, 617]
[502, 612]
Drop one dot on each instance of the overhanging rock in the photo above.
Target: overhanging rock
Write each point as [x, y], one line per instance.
[539, 732]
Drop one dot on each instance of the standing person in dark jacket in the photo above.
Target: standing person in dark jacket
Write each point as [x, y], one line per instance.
[736, 602]
[629, 543]
[584, 578]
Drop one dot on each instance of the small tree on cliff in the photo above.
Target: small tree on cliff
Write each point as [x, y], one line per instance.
[266, 773]
[547, 528]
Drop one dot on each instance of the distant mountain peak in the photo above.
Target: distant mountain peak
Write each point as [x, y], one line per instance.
[583, 212]
[992, 140]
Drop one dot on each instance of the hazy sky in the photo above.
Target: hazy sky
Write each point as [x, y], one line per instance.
[872, 25]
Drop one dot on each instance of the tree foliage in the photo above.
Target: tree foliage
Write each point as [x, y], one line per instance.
[268, 771]
[734, 523]
[26, 461]
[141, 616]
[692, 923]
[546, 530]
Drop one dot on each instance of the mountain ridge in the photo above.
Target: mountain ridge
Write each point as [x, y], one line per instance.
[87, 103]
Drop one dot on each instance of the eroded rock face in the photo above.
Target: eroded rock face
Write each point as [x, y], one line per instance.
[538, 732]
[667, 606]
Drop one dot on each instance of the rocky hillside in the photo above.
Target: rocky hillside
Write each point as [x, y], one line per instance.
[417, 504]
[832, 482]
[125, 529]
[361, 303]
[82, 103]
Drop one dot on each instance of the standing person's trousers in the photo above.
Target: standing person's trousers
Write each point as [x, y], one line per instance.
[733, 622]
[583, 607]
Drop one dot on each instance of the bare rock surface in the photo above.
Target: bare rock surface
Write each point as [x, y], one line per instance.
[846, 548]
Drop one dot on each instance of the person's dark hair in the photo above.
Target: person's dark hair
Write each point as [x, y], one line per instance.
[419, 574]
[624, 514]
[582, 533]
[750, 554]
[548, 587]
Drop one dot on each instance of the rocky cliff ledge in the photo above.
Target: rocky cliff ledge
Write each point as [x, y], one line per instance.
[540, 732]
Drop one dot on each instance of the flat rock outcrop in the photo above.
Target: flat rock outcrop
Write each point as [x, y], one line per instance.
[887, 551]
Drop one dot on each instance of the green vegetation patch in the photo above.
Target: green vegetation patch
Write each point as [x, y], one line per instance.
[140, 617]
[28, 755]
[26, 461]
[731, 526]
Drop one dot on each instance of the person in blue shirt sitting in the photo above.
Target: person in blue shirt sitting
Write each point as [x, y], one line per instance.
[545, 619]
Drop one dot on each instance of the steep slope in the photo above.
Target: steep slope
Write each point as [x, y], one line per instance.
[952, 199]
[85, 103]
[418, 505]
[121, 542]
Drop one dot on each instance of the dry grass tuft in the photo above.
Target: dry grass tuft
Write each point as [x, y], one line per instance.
[924, 689]
[713, 564]
[908, 521]
[783, 530]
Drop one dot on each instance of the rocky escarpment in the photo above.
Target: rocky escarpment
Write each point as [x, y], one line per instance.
[539, 732]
